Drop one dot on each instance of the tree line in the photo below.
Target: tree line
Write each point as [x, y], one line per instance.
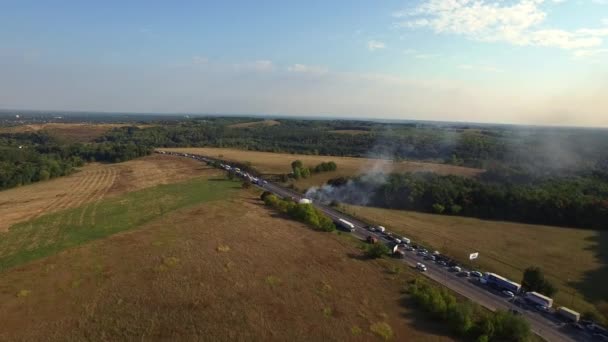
[570, 201]
[535, 150]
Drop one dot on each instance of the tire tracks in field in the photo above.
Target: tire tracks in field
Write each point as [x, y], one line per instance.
[102, 194]
[73, 195]
[50, 206]
[96, 188]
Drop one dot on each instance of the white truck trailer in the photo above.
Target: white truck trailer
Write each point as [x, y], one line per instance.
[568, 314]
[345, 225]
[538, 299]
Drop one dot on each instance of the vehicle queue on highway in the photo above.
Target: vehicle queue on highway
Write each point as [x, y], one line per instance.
[512, 292]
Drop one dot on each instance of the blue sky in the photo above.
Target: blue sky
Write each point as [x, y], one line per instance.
[519, 61]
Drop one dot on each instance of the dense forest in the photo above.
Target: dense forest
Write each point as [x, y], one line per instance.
[533, 150]
[567, 201]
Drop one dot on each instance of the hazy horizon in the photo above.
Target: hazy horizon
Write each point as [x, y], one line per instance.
[526, 62]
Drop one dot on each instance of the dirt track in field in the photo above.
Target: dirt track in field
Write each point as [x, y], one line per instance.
[90, 185]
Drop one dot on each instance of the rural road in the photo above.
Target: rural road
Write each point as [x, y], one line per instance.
[543, 325]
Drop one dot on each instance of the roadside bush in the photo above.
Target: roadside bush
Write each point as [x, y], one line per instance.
[325, 166]
[265, 194]
[376, 250]
[306, 213]
[462, 319]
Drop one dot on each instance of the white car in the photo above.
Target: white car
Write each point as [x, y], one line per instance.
[508, 294]
[421, 267]
[397, 241]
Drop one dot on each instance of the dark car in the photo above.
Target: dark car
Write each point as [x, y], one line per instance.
[515, 312]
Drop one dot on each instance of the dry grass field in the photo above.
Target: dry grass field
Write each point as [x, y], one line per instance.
[90, 185]
[226, 270]
[255, 124]
[277, 163]
[574, 259]
[73, 132]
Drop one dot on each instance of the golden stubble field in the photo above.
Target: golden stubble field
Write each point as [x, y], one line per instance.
[91, 184]
[278, 163]
[227, 270]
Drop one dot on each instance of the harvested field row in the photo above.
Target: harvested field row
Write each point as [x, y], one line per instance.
[92, 183]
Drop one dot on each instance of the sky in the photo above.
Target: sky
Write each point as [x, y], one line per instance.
[542, 62]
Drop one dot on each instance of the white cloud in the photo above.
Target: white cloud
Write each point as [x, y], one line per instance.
[258, 66]
[518, 23]
[426, 55]
[420, 55]
[307, 69]
[484, 68]
[374, 45]
[589, 53]
[198, 60]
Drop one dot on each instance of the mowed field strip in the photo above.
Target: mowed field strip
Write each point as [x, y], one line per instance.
[278, 163]
[570, 257]
[222, 270]
[90, 185]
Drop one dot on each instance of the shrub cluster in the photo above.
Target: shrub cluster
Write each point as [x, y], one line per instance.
[306, 213]
[300, 171]
[467, 320]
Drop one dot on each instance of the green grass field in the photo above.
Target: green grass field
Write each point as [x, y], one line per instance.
[572, 258]
[50, 234]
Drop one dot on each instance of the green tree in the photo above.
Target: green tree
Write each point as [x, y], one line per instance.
[296, 164]
[297, 173]
[460, 318]
[438, 208]
[44, 175]
[455, 209]
[376, 250]
[534, 280]
[305, 172]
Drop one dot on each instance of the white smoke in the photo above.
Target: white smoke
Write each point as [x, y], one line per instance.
[374, 174]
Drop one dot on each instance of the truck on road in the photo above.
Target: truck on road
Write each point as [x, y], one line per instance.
[345, 225]
[502, 283]
[568, 314]
[538, 299]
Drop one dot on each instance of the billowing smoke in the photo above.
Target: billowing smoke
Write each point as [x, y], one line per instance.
[373, 175]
